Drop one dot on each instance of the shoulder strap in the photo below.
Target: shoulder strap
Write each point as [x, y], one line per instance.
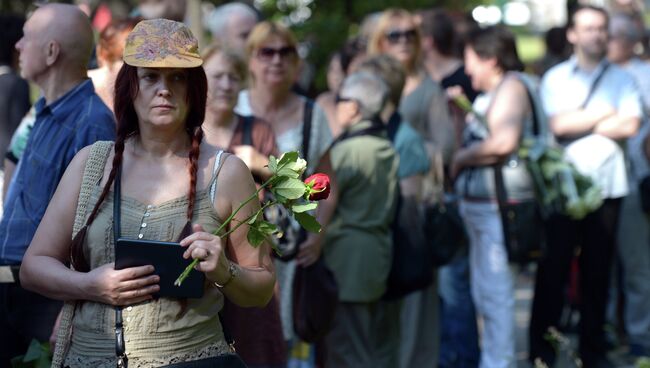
[218, 163]
[377, 129]
[93, 173]
[533, 107]
[247, 130]
[306, 127]
[393, 125]
[594, 85]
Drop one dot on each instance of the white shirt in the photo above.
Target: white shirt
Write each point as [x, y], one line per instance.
[565, 88]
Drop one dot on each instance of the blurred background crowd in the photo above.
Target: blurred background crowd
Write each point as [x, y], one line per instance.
[285, 62]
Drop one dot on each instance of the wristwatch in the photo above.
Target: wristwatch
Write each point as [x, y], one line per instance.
[233, 271]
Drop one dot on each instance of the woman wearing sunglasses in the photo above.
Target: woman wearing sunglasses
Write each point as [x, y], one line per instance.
[423, 102]
[423, 105]
[273, 64]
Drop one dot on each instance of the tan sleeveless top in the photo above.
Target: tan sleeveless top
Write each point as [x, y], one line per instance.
[156, 332]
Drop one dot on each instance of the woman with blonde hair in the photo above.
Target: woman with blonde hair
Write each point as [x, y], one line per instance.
[297, 122]
[423, 102]
[252, 140]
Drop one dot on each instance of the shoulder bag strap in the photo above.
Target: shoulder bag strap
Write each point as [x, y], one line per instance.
[594, 85]
[93, 173]
[247, 130]
[120, 347]
[306, 127]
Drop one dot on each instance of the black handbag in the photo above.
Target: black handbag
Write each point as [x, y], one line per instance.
[315, 298]
[222, 361]
[444, 227]
[445, 230]
[523, 229]
[412, 262]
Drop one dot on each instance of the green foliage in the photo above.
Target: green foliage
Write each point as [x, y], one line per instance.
[643, 363]
[332, 22]
[38, 355]
[288, 190]
[559, 185]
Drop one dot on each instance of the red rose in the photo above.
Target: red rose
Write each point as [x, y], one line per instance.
[319, 186]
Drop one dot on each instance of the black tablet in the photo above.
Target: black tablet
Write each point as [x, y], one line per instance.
[167, 259]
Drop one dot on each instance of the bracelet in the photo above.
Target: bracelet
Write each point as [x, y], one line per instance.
[232, 270]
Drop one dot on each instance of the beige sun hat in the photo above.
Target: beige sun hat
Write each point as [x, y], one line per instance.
[162, 43]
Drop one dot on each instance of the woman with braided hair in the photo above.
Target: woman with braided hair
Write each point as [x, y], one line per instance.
[169, 192]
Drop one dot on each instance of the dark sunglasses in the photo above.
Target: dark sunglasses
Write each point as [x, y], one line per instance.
[395, 36]
[338, 98]
[268, 53]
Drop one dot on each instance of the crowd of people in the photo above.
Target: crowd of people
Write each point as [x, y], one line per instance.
[164, 140]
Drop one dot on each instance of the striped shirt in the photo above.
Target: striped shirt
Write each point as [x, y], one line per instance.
[62, 128]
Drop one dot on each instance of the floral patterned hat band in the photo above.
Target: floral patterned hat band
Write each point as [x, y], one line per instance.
[162, 43]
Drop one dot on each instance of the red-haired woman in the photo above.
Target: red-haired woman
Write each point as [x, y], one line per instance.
[160, 102]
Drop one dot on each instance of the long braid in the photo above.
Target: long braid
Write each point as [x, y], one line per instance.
[194, 164]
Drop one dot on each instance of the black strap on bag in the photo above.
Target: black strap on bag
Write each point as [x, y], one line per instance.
[247, 136]
[594, 85]
[521, 238]
[306, 127]
[592, 89]
[120, 347]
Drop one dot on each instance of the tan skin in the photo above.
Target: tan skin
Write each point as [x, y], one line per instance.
[503, 119]
[220, 121]
[156, 155]
[589, 36]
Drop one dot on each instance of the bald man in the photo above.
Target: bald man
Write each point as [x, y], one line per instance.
[231, 23]
[54, 52]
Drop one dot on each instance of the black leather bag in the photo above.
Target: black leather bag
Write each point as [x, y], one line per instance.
[445, 231]
[523, 229]
[412, 262]
[315, 297]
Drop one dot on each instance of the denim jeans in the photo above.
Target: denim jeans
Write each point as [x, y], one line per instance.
[492, 283]
[458, 329]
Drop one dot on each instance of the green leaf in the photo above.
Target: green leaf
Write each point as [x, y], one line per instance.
[288, 171]
[307, 221]
[34, 351]
[304, 207]
[253, 218]
[289, 188]
[44, 362]
[273, 164]
[280, 199]
[255, 237]
[267, 228]
[288, 157]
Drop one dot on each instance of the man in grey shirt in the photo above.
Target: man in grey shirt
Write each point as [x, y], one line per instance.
[634, 233]
[592, 107]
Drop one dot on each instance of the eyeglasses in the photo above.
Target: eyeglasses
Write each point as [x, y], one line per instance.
[340, 98]
[268, 53]
[395, 36]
